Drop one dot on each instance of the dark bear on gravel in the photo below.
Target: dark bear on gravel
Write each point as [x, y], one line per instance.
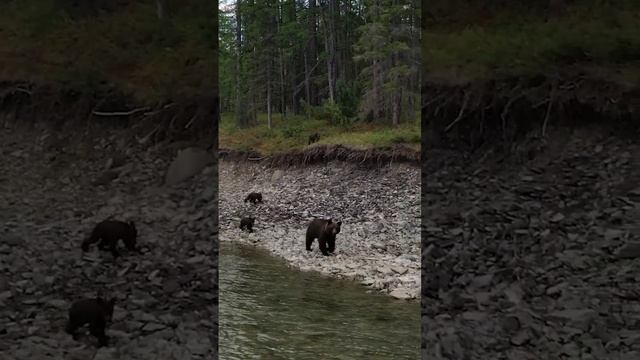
[254, 198]
[95, 312]
[247, 223]
[313, 138]
[325, 231]
[109, 232]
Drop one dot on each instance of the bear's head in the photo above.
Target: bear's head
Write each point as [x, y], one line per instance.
[332, 227]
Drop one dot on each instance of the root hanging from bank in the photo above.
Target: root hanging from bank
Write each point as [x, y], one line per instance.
[190, 118]
[501, 113]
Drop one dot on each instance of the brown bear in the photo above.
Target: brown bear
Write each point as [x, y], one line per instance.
[109, 232]
[95, 312]
[325, 231]
[247, 223]
[254, 198]
[313, 138]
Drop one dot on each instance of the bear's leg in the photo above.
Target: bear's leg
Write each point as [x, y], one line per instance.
[332, 245]
[131, 245]
[71, 329]
[323, 246]
[96, 328]
[114, 247]
[309, 242]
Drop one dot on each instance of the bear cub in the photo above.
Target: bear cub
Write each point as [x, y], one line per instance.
[109, 232]
[95, 312]
[325, 231]
[254, 198]
[313, 138]
[247, 223]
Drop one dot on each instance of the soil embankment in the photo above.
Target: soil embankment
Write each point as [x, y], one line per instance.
[57, 180]
[379, 209]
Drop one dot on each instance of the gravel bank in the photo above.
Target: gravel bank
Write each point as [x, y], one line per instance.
[53, 190]
[536, 261]
[379, 244]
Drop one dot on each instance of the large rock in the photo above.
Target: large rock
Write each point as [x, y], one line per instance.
[187, 163]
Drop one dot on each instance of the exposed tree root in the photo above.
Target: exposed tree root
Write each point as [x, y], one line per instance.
[190, 118]
[501, 113]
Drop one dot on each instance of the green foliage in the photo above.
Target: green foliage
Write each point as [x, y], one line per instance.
[277, 52]
[348, 97]
[292, 133]
[389, 54]
[333, 112]
[111, 44]
[514, 44]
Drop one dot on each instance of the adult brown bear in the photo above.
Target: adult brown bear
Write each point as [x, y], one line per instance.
[109, 232]
[325, 231]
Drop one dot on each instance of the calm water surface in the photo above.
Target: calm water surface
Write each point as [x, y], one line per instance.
[271, 311]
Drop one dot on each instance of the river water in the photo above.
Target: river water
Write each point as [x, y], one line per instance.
[271, 311]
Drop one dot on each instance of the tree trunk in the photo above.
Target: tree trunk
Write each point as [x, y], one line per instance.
[307, 86]
[161, 8]
[283, 95]
[312, 49]
[269, 124]
[378, 105]
[397, 100]
[240, 110]
[329, 45]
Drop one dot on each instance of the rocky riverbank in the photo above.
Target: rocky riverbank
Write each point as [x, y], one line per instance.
[379, 244]
[538, 260]
[54, 187]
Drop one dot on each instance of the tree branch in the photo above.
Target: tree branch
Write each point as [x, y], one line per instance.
[120, 113]
[546, 116]
[460, 114]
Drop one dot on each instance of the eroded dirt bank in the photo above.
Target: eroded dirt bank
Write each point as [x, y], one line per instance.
[537, 259]
[379, 244]
[54, 187]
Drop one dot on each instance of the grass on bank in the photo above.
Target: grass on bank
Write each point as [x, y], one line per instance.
[129, 47]
[293, 134]
[601, 37]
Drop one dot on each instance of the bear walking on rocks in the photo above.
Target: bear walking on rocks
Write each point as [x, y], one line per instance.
[95, 312]
[325, 231]
[109, 232]
[254, 198]
[247, 223]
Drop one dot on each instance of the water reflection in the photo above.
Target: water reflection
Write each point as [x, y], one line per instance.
[268, 311]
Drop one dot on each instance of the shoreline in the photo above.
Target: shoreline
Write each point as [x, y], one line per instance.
[388, 260]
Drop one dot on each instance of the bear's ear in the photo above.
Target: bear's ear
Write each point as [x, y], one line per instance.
[339, 223]
[329, 221]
